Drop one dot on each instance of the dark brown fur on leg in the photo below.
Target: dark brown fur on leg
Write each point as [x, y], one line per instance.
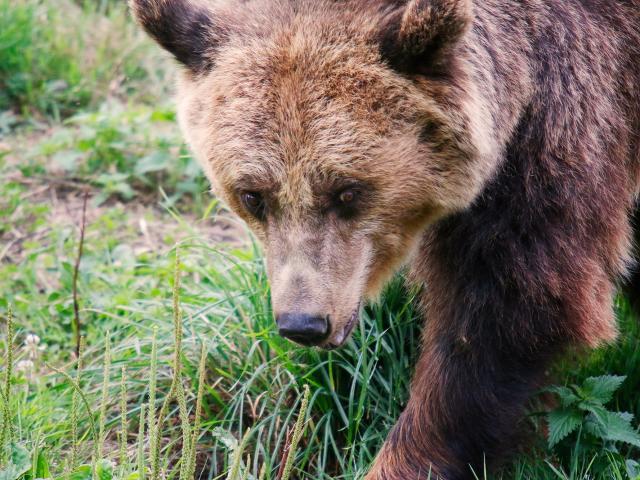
[505, 293]
[528, 270]
[531, 267]
[632, 291]
[632, 285]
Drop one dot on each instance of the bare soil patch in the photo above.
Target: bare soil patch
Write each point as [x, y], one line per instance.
[145, 226]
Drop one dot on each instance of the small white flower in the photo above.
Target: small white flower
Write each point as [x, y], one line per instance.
[32, 346]
[25, 366]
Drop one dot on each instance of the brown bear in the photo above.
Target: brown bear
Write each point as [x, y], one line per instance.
[493, 146]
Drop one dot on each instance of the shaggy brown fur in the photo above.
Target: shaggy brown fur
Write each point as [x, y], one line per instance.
[493, 145]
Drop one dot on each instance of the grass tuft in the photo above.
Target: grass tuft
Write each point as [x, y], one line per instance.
[298, 429]
[77, 391]
[141, 464]
[104, 397]
[235, 472]
[53, 66]
[124, 425]
[6, 434]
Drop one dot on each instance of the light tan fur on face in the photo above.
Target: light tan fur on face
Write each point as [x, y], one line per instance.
[298, 106]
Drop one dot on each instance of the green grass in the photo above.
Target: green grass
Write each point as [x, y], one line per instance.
[122, 151]
[254, 379]
[83, 108]
[61, 56]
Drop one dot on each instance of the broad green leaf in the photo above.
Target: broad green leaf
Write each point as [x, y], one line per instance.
[601, 389]
[68, 160]
[42, 466]
[567, 397]
[627, 416]
[595, 427]
[160, 160]
[20, 457]
[10, 473]
[562, 423]
[83, 472]
[597, 410]
[104, 470]
[619, 429]
[19, 463]
[633, 469]
[613, 426]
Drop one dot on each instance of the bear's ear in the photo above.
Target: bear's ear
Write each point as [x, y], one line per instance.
[420, 34]
[183, 28]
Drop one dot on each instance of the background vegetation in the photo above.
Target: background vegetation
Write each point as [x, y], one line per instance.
[87, 137]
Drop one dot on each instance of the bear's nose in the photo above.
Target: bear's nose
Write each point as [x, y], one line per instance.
[303, 328]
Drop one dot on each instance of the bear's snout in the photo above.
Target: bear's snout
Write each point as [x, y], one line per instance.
[303, 328]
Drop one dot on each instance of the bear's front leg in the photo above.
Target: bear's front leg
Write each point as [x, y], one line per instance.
[465, 405]
[506, 288]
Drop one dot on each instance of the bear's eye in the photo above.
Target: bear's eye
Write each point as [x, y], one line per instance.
[253, 202]
[347, 202]
[347, 196]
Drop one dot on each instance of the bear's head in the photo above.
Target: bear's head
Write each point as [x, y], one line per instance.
[337, 129]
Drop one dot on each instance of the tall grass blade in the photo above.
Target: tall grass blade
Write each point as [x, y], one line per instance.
[6, 435]
[234, 472]
[298, 430]
[141, 439]
[75, 400]
[154, 453]
[177, 359]
[124, 424]
[104, 397]
[191, 469]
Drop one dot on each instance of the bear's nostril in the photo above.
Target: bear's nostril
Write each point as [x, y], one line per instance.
[303, 328]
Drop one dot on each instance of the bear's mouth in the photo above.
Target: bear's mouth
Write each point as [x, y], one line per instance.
[341, 337]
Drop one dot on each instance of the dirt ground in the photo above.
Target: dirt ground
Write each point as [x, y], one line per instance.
[152, 224]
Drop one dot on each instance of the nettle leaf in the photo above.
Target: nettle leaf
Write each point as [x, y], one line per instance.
[597, 420]
[83, 472]
[633, 469]
[593, 426]
[68, 160]
[104, 470]
[601, 389]
[595, 409]
[10, 472]
[19, 463]
[20, 456]
[567, 396]
[619, 429]
[561, 423]
[613, 427]
[627, 416]
[155, 162]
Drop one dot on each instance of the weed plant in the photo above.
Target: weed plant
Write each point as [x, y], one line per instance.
[232, 377]
[51, 66]
[16, 462]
